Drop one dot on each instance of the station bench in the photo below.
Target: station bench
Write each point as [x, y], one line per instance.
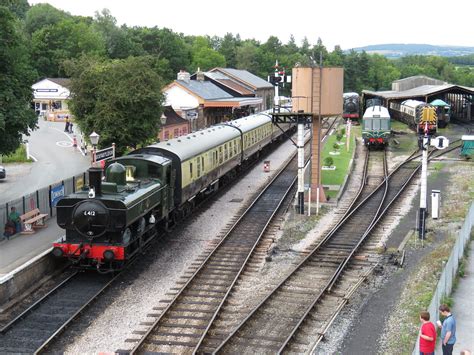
[31, 220]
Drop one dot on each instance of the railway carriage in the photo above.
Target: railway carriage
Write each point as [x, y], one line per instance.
[376, 126]
[418, 115]
[110, 221]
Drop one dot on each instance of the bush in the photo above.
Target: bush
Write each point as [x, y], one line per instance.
[342, 131]
[339, 136]
[335, 146]
[328, 161]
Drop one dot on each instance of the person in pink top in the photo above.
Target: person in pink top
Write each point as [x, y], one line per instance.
[427, 334]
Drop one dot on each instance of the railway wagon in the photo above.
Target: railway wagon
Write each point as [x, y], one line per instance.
[350, 106]
[376, 126]
[111, 220]
[418, 115]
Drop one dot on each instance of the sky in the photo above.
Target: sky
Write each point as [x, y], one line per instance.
[349, 24]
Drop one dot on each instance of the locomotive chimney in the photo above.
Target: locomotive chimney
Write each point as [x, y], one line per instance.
[95, 180]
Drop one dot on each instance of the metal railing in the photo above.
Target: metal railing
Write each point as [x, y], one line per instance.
[44, 199]
[448, 276]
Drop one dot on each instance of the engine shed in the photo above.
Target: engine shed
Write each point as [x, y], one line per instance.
[459, 98]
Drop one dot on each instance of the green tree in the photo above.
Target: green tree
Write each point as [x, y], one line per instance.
[17, 7]
[119, 99]
[117, 40]
[246, 57]
[228, 48]
[16, 76]
[65, 40]
[204, 57]
[166, 45]
[42, 15]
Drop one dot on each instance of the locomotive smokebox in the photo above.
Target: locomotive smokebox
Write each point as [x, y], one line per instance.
[95, 180]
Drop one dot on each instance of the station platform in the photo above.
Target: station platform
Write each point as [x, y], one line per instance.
[21, 248]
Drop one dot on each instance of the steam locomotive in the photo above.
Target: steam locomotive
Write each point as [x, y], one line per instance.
[351, 106]
[111, 220]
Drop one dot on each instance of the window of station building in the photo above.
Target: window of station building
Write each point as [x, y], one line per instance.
[176, 132]
[167, 134]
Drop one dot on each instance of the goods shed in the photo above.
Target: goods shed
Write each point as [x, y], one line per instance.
[460, 98]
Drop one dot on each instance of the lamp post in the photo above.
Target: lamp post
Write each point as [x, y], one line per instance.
[94, 138]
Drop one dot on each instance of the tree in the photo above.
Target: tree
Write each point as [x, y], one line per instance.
[228, 48]
[117, 40]
[204, 57]
[119, 99]
[18, 7]
[42, 15]
[16, 76]
[67, 39]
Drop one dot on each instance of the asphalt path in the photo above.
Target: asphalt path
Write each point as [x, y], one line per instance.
[55, 159]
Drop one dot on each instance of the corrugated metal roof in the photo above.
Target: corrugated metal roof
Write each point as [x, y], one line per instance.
[205, 89]
[424, 90]
[246, 77]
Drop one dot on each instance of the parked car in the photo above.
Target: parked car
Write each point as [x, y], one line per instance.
[3, 172]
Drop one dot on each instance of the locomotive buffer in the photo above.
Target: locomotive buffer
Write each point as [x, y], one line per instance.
[301, 119]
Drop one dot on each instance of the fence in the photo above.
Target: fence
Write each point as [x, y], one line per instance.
[44, 199]
[448, 276]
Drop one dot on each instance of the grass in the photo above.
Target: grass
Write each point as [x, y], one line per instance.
[19, 156]
[341, 161]
[419, 289]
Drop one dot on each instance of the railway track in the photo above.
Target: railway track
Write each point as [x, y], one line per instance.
[312, 293]
[181, 325]
[272, 326]
[34, 329]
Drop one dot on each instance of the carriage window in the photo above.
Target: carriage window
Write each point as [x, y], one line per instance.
[198, 164]
[191, 169]
[202, 162]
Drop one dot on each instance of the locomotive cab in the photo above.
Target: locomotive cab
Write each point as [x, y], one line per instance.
[110, 221]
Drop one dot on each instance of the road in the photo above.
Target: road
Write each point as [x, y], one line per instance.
[56, 160]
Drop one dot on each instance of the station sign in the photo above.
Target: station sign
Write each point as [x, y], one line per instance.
[57, 193]
[104, 154]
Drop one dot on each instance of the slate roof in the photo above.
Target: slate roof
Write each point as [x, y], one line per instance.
[205, 89]
[65, 82]
[245, 77]
[223, 79]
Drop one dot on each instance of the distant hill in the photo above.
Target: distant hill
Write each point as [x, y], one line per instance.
[400, 50]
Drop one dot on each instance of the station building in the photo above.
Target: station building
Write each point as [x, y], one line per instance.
[210, 98]
[173, 125]
[51, 97]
